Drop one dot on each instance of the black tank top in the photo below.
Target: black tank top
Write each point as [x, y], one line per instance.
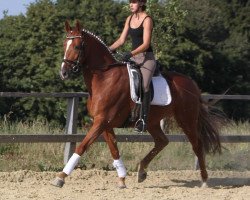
[137, 35]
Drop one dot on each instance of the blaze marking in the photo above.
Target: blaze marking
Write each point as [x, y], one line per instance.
[67, 48]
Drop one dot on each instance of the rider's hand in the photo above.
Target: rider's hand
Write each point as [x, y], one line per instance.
[126, 56]
[112, 51]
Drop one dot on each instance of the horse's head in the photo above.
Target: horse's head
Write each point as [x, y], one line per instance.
[73, 50]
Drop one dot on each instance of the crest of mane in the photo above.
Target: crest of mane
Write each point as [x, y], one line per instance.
[99, 40]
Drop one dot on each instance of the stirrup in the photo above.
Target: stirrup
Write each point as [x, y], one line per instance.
[140, 126]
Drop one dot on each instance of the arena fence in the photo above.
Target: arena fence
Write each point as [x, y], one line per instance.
[70, 137]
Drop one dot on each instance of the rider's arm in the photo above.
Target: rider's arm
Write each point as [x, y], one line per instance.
[122, 37]
[147, 33]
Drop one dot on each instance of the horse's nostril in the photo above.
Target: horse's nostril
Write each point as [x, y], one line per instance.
[64, 74]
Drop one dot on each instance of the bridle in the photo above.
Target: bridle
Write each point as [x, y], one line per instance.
[75, 64]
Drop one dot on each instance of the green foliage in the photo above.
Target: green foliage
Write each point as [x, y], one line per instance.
[212, 46]
[31, 53]
[167, 16]
[206, 39]
[6, 149]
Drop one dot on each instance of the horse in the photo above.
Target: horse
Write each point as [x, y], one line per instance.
[109, 104]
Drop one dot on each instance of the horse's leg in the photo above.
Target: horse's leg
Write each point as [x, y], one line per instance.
[199, 152]
[110, 139]
[160, 142]
[190, 127]
[95, 131]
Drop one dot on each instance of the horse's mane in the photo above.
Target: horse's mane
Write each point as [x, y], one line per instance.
[99, 40]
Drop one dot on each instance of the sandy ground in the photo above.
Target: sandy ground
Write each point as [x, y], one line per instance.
[98, 184]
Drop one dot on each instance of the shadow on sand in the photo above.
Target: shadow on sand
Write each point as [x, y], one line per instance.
[215, 183]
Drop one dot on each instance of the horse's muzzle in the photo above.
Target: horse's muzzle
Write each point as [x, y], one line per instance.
[64, 74]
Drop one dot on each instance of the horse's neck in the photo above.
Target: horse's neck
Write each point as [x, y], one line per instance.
[98, 64]
[98, 54]
[98, 79]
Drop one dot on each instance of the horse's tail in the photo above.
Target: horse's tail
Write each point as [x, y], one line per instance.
[209, 124]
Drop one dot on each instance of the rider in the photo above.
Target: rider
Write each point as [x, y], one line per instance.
[139, 26]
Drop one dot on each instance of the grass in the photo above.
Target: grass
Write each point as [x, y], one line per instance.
[49, 156]
[235, 156]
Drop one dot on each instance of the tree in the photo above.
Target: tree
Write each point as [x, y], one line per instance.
[219, 31]
[32, 51]
[206, 39]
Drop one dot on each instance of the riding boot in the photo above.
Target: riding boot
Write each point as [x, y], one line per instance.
[141, 124]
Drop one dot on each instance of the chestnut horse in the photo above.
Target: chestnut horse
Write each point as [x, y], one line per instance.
[110, 105]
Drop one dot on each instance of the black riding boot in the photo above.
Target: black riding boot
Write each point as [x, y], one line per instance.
[141, 124]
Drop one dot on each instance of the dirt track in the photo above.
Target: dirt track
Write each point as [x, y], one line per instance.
[95, 184]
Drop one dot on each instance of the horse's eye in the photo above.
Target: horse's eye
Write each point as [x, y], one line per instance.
[77, 47]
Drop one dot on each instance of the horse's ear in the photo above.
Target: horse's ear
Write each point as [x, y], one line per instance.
[67, 26]
[78, 26]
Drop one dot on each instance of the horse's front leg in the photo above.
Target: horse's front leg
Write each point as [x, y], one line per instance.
[110, 139]
[95, 131]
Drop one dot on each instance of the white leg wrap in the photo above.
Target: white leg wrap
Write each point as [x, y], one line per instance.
[73, 161]
[120, 168]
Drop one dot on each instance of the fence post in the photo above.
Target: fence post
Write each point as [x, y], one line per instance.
[71, 126]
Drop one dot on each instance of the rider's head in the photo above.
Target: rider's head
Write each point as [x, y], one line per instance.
[142, 3]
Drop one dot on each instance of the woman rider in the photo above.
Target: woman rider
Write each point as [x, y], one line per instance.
[139, 26]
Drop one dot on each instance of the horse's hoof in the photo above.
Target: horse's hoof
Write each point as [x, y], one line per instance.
[121, 183]
[58, 182]
[142, 175]
[122, 186]
[204, 185]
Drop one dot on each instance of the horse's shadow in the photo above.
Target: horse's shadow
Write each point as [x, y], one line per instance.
[215, 183]
[218, 182]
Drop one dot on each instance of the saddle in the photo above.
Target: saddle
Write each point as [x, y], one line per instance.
[160, 92]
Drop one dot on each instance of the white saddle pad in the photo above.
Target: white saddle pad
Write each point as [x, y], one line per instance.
[162, 95]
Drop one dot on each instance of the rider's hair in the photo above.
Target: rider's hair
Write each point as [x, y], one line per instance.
[143, 7]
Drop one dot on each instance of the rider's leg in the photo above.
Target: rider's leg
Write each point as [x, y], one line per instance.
[141, 124]
[148, 65]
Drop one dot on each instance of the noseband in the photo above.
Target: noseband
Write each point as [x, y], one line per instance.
[75, 64]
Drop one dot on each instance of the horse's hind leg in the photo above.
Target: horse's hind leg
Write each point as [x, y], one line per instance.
[110, 139]
[160, 142]
[199, 152]
[190, 128]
